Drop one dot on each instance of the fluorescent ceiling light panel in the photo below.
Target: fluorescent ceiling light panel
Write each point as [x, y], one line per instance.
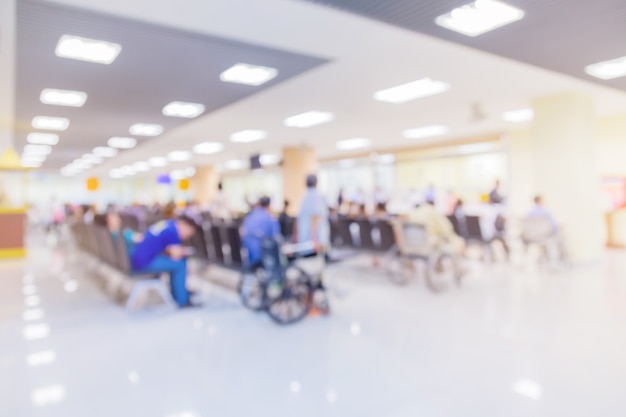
[41, 358]
[207, 148]
[122, 143]
[141, 166]
[37, 149]
[33, 158]
[158, 161]
[354, 143]
[63, 97]
[269, 159]
[50, 123]
[179, 156]
[104, 151]
[308, 119]
[249, 135]
[37, 138]
[190, 172]
[234, 164]
[607, 70]
[421, 88]
[248, 74]
[182, 109]
[425, 132]
[36, 331]
[178, 174]
[145, 129]
[33, 315]
[127, 170]
[92, 159]
[519, 116]
[480, 17]
[90, 50]
[47, 396]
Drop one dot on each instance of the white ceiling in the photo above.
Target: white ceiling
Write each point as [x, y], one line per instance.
[366, 56]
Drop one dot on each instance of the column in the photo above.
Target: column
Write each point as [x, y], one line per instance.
[7, 73]
[297, 164]
[205, 184]
[564, 172]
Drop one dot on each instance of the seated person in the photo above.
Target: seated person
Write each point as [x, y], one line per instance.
[114, 224]
[258, 225]
[161, 250]
[540, 211]
[440, 229]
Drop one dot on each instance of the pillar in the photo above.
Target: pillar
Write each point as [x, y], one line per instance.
[7, 72]
[205, 184]
[564, 172]
[297, 164]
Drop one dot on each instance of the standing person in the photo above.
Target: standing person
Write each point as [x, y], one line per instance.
[258, 225]
[494, 196]
[219, 205]
[161, 250]
[286, 221]
[340, 198]
[314, 226]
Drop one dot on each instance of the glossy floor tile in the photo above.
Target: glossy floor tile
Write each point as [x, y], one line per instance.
[511, 342]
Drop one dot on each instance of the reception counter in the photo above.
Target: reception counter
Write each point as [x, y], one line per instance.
[12, 229]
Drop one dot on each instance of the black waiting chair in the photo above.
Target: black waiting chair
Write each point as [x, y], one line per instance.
[234, 241]
[216, 238]
[344, 232]
[365, 234]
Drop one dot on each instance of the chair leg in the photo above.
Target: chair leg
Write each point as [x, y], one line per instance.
[165, 294]
[132, 298]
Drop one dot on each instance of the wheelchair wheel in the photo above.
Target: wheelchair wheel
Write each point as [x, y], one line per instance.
[442, 274]
[401, 270]
[252, 286]
[294, 302]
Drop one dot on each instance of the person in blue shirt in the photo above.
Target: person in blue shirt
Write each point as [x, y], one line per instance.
[313, 224]
[161, 250]
[258, 225]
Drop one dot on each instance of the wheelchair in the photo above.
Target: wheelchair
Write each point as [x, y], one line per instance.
[412, 250]
[280, 286]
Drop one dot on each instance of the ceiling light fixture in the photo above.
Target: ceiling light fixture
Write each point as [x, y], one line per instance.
[92, 159]
[385, 159]
[235, 164]
[37, 149]
[90, 50]
[354, 143]
[248, 74]
[38, 138]
[208, 148]
[182, 109]
[122, 143]
[519, 116]
[269, 159]
[145, 129]
[63, 97]
[50, 123]
[190, 172]
[421, 88]
[425, 132]
[141, 166]
[607, 70]
[104, 151]
[179, 156]
[158, 161]
[116, 173]
[480, 17]
[177, 174]
[247, 136]
[308, 119]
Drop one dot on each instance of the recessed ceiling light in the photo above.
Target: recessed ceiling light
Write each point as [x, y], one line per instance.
[69, 172]
[190, 172]
[127, 170]
[308, 119]
[425, 132]
[49, 395]
[248, 74]
[179, 156]
[181, 109]
[607, 70]
[37, 149]
[519, 116]
[234, 164]
[141, 166]
[90, 50]
[37, 138]
[50, 123]
[207, 148]
[145, 129]
[36, 331]
[63, 97]
[480, 17]
[158, 161]
[269, 159]
[122, 143]
[247, 136]
[104, 151]
[41, 358]
[177, 174]
[421, 88]
[33, 315]
[354, 143]
[82, 164]
[92, 159]
[33, 158]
